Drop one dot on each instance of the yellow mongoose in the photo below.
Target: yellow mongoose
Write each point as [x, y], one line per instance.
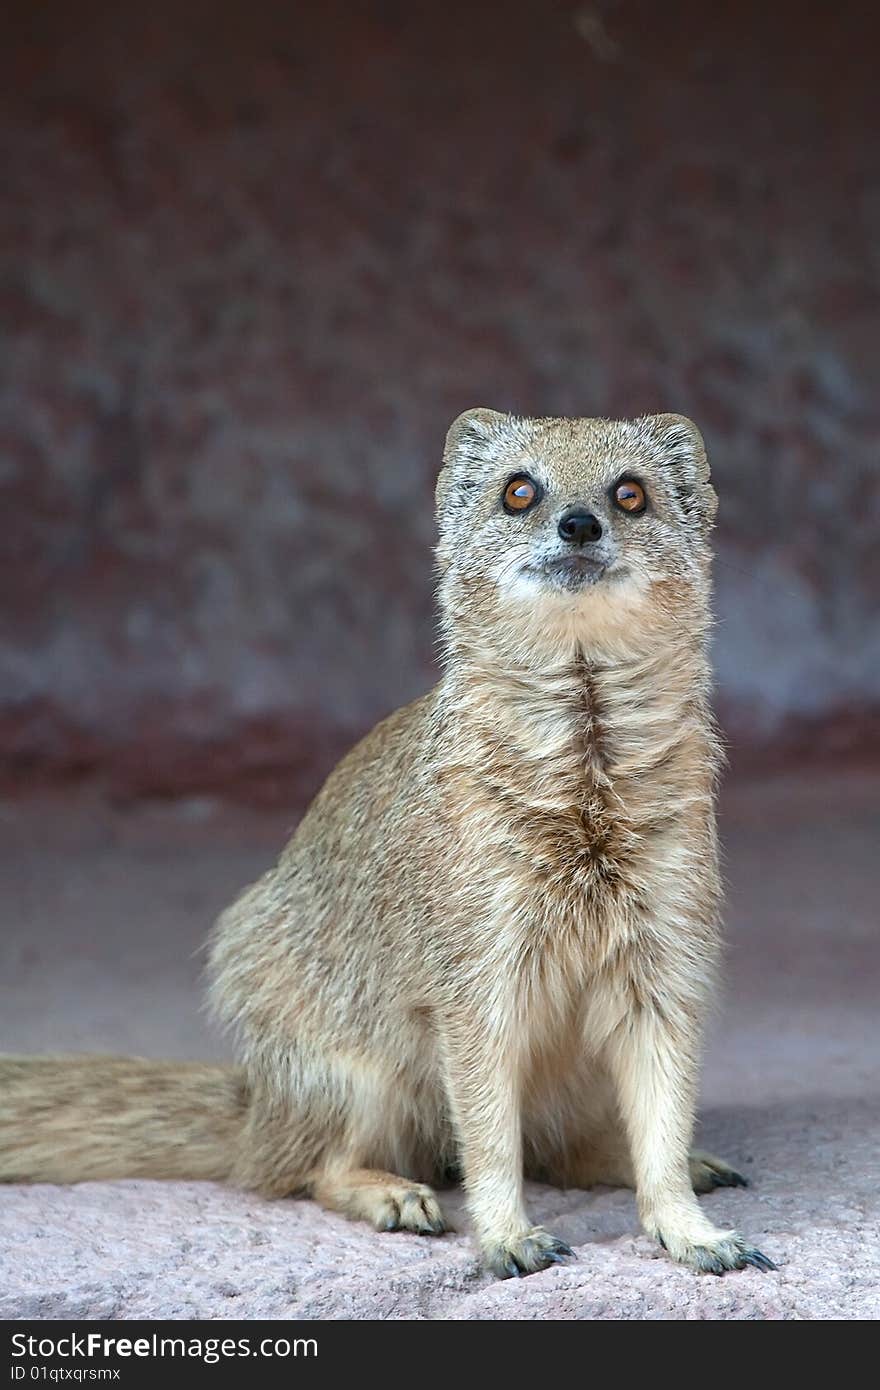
[489, 945]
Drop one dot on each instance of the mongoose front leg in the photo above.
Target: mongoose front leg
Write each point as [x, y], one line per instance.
[483, 1094]
[653, 1063]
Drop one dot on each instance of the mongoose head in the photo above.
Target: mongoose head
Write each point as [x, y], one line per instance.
[578, 527]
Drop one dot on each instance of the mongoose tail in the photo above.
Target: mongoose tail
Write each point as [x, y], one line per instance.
[82, 1119]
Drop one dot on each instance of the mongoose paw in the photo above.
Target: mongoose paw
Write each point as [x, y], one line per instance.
[410, 1207]
[526, 1254]
[709, 1172]
[728, 1251]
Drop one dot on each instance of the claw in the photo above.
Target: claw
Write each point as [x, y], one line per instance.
[726, 1177]
[562, 1249]
[759, 1260]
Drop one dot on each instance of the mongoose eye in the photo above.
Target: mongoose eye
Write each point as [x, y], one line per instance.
[630, 496]
[521, 492]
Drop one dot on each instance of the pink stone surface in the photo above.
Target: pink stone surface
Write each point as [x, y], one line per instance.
[103, 911]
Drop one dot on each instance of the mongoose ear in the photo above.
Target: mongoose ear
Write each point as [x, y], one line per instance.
[463, 454]
[681, 439]
[684, 450]
[469, 430]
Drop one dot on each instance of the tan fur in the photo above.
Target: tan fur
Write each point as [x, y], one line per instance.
[75, 1119]
[491, 941]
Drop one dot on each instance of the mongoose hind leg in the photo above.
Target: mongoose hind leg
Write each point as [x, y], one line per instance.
[388, 1202]
[611, 1166]
[593, 1149]
[708, 1172]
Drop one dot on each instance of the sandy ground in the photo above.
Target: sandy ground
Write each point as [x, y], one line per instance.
[102, 914]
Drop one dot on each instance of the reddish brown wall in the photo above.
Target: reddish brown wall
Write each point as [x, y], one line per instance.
[256, 256]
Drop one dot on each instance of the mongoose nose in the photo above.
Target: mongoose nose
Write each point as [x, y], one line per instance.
[579, 527]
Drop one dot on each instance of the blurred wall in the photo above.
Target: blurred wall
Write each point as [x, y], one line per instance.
[255, 257]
